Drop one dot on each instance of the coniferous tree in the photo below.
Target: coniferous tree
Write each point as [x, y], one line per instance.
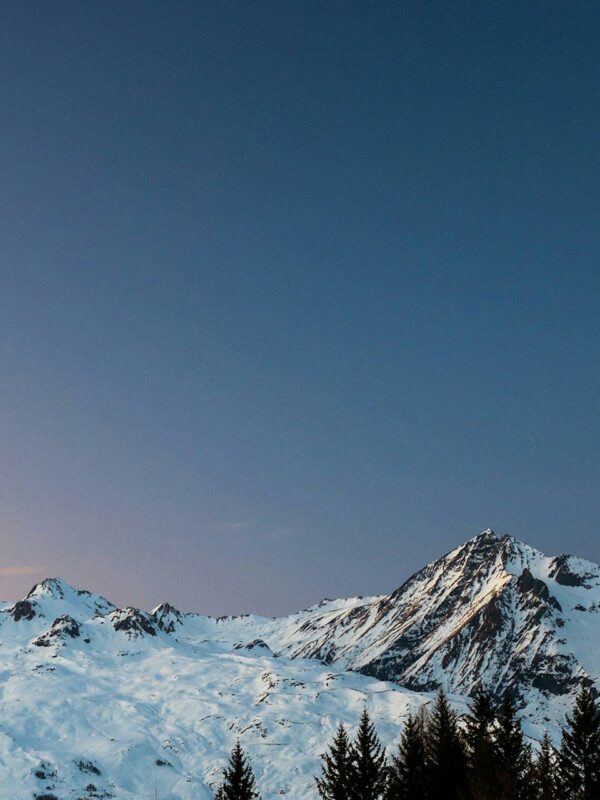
[479, 726]
[512, 755]
[544, 772]
[580, 750]
[407, 772]
[336, 764]
[368, 771]
[446, 758]
[239, 782]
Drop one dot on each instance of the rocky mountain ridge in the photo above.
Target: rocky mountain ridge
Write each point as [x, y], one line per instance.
[132, 691]
[493, 611]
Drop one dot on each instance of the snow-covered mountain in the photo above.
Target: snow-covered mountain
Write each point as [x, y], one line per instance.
[494, 612]
[98, 701]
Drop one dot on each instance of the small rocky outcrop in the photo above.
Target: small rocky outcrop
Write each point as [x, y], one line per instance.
[564, 575]
[45, 772]
[167, 617]
[88, 767]
[24, 609]
[554, 674]
[258, 645]
[133, 622]
[63, 628]
[527, 584]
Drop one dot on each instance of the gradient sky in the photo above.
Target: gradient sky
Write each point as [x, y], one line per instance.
[294, 296]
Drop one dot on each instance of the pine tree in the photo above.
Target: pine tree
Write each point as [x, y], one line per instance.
[511, 753]
[238, 778]
[335, 768]
[479, 743]
[406, 775]
[368, 771]
[580, 750]
[544, 772]
[219, 794]
[446, 760]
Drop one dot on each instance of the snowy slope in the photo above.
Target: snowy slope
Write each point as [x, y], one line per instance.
[106, 698]
[97, 702]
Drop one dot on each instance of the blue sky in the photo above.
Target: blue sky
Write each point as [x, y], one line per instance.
[294, 297]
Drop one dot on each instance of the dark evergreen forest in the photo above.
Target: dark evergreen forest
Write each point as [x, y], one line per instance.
[440, 756]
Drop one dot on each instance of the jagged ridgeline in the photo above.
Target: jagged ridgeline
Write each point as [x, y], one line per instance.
[93, 695]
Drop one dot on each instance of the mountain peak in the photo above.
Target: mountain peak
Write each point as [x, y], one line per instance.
[488, 533]
[489, 537]
[55, 588]
[52, 592]
[167, 617]
[488, 545]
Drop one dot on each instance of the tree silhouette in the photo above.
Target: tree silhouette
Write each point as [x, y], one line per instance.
[479, 742]
[368, 768]
[544, 772]
[336, 766]
[407, 772]
[580, 750]
[513, 757]
[446, 760]
[239, 782]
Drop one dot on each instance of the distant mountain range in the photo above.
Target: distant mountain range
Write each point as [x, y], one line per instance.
[97, 702]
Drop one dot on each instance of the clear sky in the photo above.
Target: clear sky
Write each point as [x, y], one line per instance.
[294, 296]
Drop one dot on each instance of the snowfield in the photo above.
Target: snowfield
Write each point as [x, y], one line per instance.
[100, 702]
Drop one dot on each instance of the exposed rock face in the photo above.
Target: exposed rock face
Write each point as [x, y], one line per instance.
[257, 644]
[133, 622]
[487, 613]
[63, 628]
[562, 573]
[167, 618]
[23, 609]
